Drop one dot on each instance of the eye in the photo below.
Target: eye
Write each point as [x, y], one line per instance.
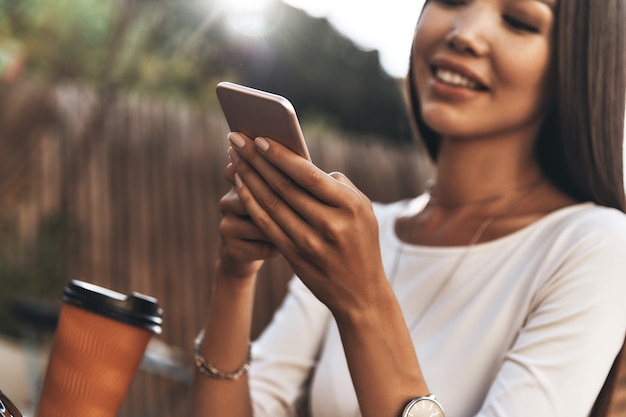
[451, 3]
[519, 25]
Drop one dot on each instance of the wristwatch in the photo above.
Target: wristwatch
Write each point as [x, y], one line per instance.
[424, 407]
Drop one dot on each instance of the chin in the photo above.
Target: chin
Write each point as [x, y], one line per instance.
[447, 123]
[455, 123]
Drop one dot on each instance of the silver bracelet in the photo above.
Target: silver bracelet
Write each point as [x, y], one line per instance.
[207, 368]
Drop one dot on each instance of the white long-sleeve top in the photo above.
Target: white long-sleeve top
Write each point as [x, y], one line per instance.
[527, 326]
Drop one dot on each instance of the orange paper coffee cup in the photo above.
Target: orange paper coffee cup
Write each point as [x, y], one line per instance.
[99, 344]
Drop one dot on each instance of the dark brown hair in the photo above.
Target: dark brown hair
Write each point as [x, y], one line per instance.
[580, 147]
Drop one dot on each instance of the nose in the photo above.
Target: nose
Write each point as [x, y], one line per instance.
[469, 34]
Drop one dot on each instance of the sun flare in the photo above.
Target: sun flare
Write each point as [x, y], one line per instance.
[247, 17]
[245, 6]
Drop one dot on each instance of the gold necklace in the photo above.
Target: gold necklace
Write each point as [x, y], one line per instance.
[430, 185]
[473, 241]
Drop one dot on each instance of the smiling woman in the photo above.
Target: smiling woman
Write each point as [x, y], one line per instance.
[513, 257]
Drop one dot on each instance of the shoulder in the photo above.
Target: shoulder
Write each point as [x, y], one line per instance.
[589, 224]
[591, 212]
[598, 225]
[582, 237]
[585, 246]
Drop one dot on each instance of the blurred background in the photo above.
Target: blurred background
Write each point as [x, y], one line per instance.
[112, 149]
[113, 146]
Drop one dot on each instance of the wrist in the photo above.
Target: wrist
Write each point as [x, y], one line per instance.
[207, 368]
[233, 292]
[374, 310]
[236, 274]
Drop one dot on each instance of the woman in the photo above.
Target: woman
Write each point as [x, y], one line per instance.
[500, 291]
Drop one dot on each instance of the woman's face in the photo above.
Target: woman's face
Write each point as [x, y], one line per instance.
[482, 67]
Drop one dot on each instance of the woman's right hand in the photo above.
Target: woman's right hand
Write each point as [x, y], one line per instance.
[243, 246]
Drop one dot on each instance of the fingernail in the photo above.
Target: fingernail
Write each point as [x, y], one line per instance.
[238, 181]
[236, 139]
[262, 144]
[234, 156]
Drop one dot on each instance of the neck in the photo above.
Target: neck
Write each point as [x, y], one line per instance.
[476, 171]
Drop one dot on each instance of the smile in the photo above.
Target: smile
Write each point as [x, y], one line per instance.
[456, 79]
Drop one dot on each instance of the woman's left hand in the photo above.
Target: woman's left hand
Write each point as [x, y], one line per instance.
[321, 223]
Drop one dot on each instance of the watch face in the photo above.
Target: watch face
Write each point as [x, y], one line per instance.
[423, 407]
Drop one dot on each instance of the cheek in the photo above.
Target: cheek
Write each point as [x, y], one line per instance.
[428, 34]
[524, 90]
[525, 69]
[430, 29]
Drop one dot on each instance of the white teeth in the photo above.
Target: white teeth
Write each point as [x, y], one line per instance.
[454, 78]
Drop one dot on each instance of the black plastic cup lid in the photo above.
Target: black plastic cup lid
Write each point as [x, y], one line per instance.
[135, 309]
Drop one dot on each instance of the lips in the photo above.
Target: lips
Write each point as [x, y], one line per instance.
[457, 76]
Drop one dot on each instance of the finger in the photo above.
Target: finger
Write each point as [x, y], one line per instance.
[243, 148]
[229, 174]
[341, 177]
[242, 239]
[246, 155]
[242, 228]
[303, 172]
[284, 215]
[230, 203]
[249, 250]
[278, 222]
[303, 201]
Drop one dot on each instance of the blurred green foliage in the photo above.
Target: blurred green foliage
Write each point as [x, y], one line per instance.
[57, 38]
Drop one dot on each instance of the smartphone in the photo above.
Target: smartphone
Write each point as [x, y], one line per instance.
[259, 113]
